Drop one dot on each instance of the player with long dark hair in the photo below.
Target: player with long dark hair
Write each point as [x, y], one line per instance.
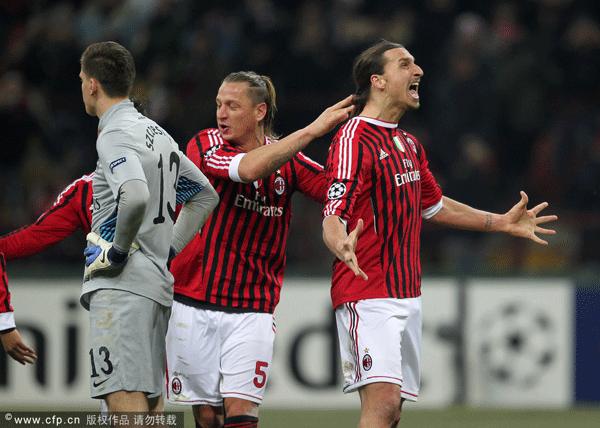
[379, 189]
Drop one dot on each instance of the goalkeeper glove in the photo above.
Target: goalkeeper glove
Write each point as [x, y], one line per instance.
[102, 257]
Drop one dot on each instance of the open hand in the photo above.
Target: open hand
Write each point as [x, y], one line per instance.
[331, 117]
[346, 251]
[525, 223]
[14, 346]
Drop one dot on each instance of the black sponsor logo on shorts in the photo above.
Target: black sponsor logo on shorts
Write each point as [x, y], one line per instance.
[97, 384]
[367, 362]
[176, 386]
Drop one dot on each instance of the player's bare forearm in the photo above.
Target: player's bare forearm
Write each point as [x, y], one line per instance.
[284, 157]
[518, 221]
[334, 233]
[460, 216]
[265, 160]
[341, 244]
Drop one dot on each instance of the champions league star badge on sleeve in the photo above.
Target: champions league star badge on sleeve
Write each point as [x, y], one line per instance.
[336, 191]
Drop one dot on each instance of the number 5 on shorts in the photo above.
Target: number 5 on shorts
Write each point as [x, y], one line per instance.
[261, 378]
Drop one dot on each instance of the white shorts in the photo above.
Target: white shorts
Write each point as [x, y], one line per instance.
[213, 355]
[380, 341]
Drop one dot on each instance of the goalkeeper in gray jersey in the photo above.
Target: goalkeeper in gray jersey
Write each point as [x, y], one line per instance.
[140, 177]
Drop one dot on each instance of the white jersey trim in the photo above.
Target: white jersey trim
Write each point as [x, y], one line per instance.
[378, 122]
[339, 218]
[212, 160]
[7, 320]
[331, 207]
[234, 168]
[433, 210]
[345, 151]
[234, 165]
[309, 160]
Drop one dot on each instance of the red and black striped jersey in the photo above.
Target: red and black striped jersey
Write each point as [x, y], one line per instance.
[379, 173]
[4, 293]
[236, 262]
[70, 211]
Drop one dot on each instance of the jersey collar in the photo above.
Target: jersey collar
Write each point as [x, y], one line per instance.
[378, 122]
[112, 112]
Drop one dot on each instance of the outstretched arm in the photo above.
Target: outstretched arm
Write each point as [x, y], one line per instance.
[341, 244]
[70, 211]
[265, 160]
[519, 221]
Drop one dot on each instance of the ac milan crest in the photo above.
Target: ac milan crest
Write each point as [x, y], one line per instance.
[279, 185]
[367, 362]
[412, 144]
[176, 386]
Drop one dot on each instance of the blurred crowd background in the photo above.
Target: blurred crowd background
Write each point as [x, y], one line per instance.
[510, 100]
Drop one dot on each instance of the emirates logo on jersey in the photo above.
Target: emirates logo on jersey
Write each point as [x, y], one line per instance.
[279, 185]
[176, 386]
[259, 204]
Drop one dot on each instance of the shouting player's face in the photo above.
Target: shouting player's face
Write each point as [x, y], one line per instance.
[237, 117]
[402, 77]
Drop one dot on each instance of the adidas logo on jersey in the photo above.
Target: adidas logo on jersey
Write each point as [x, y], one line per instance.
[382, 155]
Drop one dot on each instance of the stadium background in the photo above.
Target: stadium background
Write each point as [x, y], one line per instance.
[510, 100]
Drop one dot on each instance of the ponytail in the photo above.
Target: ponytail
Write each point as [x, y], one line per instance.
[368, 63]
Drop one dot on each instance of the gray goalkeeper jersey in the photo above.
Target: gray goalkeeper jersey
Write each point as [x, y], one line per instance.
[132, 147]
